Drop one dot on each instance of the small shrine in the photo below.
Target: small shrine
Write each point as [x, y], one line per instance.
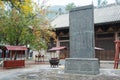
[13, 56]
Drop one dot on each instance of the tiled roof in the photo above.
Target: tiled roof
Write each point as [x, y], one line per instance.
[61, 21]
[110, 13]
[107, 14]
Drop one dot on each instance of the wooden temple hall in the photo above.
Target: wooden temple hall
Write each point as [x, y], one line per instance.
[106, 27]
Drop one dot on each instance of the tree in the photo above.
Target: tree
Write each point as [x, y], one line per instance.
[14, 28]
[23, 23]
[24, 6]
[42, 29]
[99, 2]
[102, 3]
[70, 6]
[117, 1]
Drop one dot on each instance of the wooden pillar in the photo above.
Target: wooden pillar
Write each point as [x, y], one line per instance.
[57, 43]
[117, 53]
[3, 55]
[116, 36]
[117, 50]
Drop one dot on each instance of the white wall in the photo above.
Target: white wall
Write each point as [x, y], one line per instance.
[47, 55]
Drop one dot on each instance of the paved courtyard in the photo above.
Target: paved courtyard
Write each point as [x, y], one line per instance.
[42, 71]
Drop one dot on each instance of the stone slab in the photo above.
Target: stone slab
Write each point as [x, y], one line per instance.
[88, 66]
[82, 32]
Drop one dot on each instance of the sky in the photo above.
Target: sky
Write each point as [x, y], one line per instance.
[76, 2]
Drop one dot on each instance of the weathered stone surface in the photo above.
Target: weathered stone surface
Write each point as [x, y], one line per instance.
[82, 32]
[82, 51]
[82, 65]
[54, 75]
[32, 76]
[45, 72]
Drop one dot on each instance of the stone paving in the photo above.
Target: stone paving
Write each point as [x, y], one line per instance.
[45, 72]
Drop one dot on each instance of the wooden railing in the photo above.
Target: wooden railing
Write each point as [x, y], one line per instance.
[14, 63]
[39, 58]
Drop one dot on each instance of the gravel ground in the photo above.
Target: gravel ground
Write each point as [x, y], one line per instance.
[45, 72]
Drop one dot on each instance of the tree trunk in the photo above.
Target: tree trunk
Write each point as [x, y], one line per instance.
[15, 55]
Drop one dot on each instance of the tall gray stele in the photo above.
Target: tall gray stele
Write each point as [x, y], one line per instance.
[82, 54]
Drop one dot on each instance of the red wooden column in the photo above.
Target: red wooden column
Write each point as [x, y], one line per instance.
[117, 53]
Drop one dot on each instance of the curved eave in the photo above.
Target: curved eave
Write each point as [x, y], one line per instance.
[58, 28]
[107, 23]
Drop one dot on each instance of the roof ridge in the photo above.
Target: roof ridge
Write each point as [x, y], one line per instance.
[109, 5]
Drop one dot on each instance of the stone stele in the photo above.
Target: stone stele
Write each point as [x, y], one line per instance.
[82, 54]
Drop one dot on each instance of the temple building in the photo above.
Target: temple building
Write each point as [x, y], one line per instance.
[106, 27]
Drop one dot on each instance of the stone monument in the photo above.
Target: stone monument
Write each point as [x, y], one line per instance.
[82, 54]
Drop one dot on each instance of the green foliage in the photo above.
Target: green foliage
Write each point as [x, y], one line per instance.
[22, 26]
[99, 2]
[70, 6]
[14, 27]
[102, 3]
[117, 1]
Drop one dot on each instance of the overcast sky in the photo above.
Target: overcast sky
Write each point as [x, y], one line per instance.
[76, 2]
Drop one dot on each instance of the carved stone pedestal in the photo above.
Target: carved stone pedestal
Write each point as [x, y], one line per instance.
[88, 66]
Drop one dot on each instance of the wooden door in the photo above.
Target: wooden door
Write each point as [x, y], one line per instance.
[64, 53]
